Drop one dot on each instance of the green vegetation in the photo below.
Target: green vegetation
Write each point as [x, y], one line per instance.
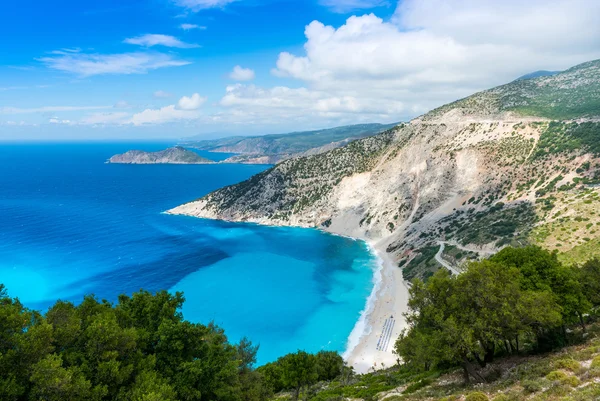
[518, 299]
[519, 302]
[500, 224]
[423, 265]
[571, 94]
[561, 137]
[140, 349]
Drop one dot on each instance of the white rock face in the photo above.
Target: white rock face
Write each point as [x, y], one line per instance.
[425, 181]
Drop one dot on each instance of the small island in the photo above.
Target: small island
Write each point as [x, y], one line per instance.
[174, 155]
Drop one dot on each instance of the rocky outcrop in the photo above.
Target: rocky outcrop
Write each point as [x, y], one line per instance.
[175, 155]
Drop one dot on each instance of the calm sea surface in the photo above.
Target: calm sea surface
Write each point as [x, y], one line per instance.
[72, 225]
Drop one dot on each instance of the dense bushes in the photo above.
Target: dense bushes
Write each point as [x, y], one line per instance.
[518, 298]
[140, 349]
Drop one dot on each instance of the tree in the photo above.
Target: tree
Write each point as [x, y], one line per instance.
[590, 280]
[149, 386]
[541, 271]
[329, 365]
[298, 370]
[52, 382]
[460, 320]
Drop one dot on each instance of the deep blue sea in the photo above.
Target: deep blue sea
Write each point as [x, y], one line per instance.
[72, 225]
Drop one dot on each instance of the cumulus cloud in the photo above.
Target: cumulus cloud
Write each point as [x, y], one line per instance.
[303, 101]
[189, 27]
[150, 40]
[436, 51]
[186, 109]
[86, 65]
[242, 74]
[191, 103]
[197, 5]
[163, 115]
[344, 6]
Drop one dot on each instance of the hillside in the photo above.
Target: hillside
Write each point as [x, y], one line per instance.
[270, 149]
[537, 74]
[518, 164]
[175, 155]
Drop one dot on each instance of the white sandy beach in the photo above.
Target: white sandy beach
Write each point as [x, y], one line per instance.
[390, 299]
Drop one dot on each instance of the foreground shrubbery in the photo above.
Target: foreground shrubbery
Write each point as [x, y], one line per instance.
[140, 349]
[518, 299]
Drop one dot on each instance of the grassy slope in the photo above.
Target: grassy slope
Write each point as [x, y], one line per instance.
[571, 374]
[574, 93]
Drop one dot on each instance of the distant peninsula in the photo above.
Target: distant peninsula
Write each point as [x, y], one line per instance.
[265, 149]
[174, 155]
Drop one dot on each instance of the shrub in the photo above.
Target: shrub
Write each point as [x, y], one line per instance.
[556, 375]
[501, 397]
[477, 396]
[572, 381]
[558, 389]
[567, 364]
[593, 372]
[417, 386]
[531, 386]
[596, 362]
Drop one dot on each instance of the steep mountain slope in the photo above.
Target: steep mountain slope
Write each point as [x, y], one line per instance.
[270, 149]
[485, 171]
[175, 155]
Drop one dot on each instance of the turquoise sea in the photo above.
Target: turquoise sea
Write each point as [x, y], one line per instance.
[72, 225]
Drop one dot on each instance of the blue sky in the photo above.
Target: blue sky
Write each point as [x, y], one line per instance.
[172, 68]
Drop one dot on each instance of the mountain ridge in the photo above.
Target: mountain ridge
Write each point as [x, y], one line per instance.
[274, 148]
[471, 162]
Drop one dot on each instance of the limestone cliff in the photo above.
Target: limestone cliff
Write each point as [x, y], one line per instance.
[515, 164]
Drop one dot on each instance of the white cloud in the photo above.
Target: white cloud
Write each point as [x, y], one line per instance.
[162, 115]
[191, 103]
[189, 27]
[87, 65]
[344, 6]
[242, 74]
[436, 51]
[197, 5]
[56, 120]
[161, 94]
[150, 40]
[296, 102]
[48, 109]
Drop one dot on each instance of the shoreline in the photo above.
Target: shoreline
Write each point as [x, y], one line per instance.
[388, 299]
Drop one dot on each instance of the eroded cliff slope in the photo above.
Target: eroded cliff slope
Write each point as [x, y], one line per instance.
[515, 164]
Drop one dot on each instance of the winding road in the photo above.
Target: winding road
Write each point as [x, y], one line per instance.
[441, 261]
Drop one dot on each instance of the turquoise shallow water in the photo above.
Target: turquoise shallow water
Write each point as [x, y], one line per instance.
[72, 225]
